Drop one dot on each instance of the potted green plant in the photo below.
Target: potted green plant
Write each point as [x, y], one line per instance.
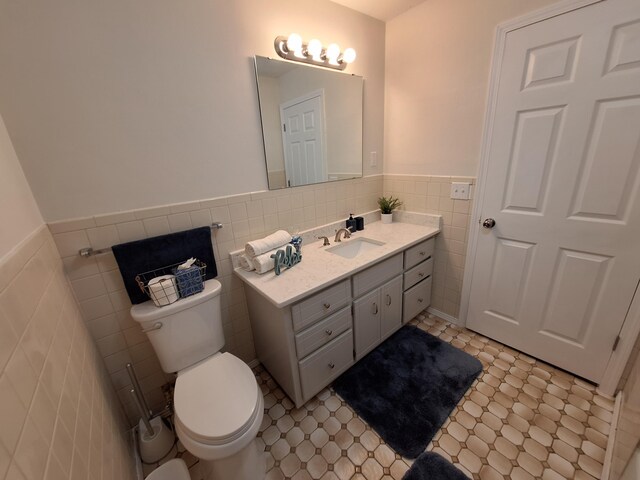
[387, 206]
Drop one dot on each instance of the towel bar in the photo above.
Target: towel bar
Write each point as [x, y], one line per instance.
[90, 252]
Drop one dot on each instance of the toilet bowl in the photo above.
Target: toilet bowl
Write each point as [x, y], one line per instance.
[218, 404]
[174, 469]
[218, 412]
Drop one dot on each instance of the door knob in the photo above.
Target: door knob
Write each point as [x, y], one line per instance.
[489, 223]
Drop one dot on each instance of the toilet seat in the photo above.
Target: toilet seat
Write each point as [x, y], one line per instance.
[217, 401]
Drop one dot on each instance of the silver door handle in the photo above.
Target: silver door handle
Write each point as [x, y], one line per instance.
[388, 299]
[329, 332]
[327, 306]
[375, 305]
[155, 326]
[489, 223]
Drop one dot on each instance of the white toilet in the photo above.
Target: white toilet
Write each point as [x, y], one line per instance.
[218, 404]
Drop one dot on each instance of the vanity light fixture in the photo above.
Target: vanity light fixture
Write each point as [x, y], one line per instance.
[293, 48]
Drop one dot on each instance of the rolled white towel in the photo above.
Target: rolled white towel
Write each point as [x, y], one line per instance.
[268, 243]
[246, 262]
[264, 263]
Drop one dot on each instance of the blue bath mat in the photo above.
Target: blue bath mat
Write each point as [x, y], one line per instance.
[407, 387]
[431, 466]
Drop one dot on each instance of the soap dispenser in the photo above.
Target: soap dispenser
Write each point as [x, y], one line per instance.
[351, 223]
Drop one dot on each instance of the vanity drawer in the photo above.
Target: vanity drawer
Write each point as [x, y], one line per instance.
[377, 275]
[323, 332]
[320, 305]
[418, 273]
[416, 299]
[321, 367]
[418, 253]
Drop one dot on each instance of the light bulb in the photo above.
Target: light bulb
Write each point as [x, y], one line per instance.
[349, 55]
[333, 52]
[315, 49]
[294, 44]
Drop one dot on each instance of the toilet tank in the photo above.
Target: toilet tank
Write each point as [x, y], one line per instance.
[185, 332]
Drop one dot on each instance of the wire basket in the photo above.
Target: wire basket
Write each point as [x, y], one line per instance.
[171, 283]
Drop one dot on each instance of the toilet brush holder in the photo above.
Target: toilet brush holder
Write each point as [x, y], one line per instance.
[156, 444]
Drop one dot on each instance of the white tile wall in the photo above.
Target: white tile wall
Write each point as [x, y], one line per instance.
[59, 415]
[98, 286]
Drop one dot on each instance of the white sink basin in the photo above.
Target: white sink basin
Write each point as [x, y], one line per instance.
[353, 247]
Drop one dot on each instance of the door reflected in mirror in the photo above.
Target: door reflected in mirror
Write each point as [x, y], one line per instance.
[311, 123]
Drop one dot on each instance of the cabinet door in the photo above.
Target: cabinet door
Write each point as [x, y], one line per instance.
[366, 322]
[391, 301]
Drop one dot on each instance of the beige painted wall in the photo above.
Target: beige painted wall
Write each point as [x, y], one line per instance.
[438, 57]
[19, 214]
[111, 105]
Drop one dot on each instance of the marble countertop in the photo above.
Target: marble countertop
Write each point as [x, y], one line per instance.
[320, 268]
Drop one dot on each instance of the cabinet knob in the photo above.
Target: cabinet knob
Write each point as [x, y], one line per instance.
[420, 300]
[332, 365]
[327, 306]
[375, 308]
[388, 299]
[329, 332]
[422, 254]
[421, 274]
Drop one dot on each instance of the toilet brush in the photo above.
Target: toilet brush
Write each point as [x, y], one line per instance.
[157, 442]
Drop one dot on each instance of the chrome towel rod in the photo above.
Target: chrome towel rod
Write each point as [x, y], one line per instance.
[90, 252]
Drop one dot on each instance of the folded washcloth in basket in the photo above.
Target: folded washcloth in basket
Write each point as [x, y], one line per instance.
[268, 243]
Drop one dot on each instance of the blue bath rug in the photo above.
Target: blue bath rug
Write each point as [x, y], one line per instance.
[431, 466]
[407, 387]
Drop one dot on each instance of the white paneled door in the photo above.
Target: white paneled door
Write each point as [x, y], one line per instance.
[556, 274]
[303, 138]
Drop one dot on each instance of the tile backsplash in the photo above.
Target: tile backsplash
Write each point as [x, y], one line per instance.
[431, 194]
[59, 413]
[98, 286]
[99, 289]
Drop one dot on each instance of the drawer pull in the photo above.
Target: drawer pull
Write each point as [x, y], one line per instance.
[332, 365]
[375, 306]
[420, 300]
[327, 306]
[388, 299]
[329, 332]
[422, 254]
[421, 274]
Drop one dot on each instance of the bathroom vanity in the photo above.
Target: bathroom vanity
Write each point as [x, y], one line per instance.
[317, 319]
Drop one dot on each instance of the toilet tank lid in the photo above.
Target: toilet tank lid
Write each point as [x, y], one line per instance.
[147, 311]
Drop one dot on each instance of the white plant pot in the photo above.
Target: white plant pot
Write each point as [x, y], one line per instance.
[387, 217]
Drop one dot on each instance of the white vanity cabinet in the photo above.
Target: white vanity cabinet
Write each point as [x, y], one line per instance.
[378, 313]
[307, 343]
[417, 278]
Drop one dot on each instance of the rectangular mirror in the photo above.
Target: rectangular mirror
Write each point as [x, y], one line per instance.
[311, 123]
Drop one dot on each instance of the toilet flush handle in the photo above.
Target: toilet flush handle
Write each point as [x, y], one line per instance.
[156, 326]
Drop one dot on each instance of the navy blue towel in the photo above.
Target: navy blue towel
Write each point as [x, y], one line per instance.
[155, 253]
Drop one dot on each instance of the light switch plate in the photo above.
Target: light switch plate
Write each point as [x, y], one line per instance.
[373, 159]
[460, 190]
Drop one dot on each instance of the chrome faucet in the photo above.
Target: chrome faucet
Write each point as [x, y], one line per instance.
[347, 234]
[325, 241]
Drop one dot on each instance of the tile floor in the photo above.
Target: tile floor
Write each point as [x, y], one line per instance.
[521, 419]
